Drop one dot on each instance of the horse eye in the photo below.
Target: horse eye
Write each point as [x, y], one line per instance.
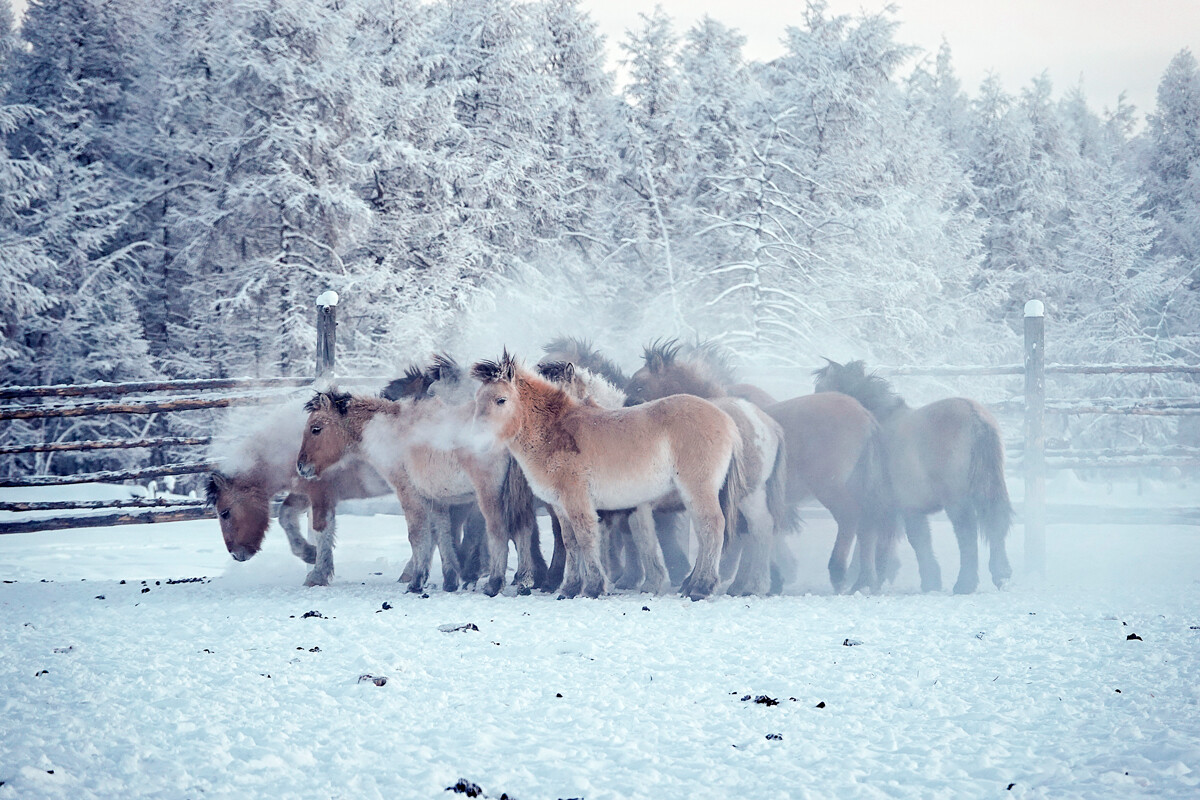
[315, 430]
[501, 401]
[225, 514]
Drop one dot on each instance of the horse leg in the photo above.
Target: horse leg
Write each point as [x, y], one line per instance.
[420, 540]
[731, 552]
[847, 530]
[672, 538]
[754, 574]
[558, 559]
[537, 561]
[916, 527]
[572, 582]
[442, 526]
[585, 525]
[995, 528]
[865, 553]
[497, 539]
[710, 535]
[649, 552]
[784, 566]
[628, 569]
[470, 553]
[966, 530]
[524, 578]
[324, 520]
[293, 507]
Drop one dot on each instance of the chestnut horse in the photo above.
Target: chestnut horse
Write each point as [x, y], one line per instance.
[764, 508]
[669, 526]
[580, 458]
[834, 453]
[945, 455]
[264, 468]
[420, 449]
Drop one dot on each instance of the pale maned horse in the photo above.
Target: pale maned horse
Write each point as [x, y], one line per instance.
[944, 455]
[418, 447]
[580, 458]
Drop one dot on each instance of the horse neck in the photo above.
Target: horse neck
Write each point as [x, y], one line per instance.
[543, 406]
[365, 409]
[691, 379]
[268, 477]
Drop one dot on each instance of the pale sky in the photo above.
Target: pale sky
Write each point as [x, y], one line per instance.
[1115, 45]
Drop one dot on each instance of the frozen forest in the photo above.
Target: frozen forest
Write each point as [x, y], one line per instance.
[182, 177]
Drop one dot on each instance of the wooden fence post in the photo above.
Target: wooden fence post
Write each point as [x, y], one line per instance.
[326, 332]
[1035, 439]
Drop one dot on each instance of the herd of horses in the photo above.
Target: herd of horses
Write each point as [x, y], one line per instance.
[628, 466]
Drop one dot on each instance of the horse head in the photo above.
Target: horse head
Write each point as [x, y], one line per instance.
[328, 435]
[498, 400]
[665, 373]
[582, 353]
[242, 510]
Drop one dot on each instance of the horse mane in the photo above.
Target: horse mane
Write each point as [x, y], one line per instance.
[339, 401]
[852, 378]
[503, 369]
[414, 384]
[444, 368]
[703, 368]
[582, 353]
[716, 359]
[557, 372]
[660, 354]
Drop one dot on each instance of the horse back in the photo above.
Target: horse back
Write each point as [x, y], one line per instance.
[929, 451]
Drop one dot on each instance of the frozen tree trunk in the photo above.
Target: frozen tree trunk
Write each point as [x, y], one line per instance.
[1034, 457]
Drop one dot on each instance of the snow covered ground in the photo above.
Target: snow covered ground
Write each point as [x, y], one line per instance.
[114, 681]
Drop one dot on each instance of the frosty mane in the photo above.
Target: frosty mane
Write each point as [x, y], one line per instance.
[582, 353]
[851, 378]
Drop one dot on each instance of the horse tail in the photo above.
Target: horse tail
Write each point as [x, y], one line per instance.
[871, 483]
[516, 500]
[985, 480]
[734, 487]
[519, 511]
[783, 516]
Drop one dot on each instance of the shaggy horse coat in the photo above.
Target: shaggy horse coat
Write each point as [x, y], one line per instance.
[415, 446]
[945, 455]
[580, 458]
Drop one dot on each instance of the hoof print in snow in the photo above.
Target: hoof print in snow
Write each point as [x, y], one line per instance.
[850, 642]
[378, 680]
[775, 737]
[1133, 637]
[821, 704]
[308, 614]
[464, 786]
[763, 700]
[452, 628]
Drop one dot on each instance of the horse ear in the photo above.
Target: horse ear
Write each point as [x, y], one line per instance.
[316, 403]
[660, 354]
[508, 366]
[217, 482]
[557, 371]
[341, 402]
[445, 369]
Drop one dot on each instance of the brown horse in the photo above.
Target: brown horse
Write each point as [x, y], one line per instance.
[763, 509]
[945, 455]
[580, 458]
[262, 467]
[834, 453]
[669, 526]
[419, 447]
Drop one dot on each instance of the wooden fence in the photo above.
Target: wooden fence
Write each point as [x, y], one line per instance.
[1035, 457]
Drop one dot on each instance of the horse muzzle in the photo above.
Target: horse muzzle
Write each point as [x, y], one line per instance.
[306, 470]
[241, 553]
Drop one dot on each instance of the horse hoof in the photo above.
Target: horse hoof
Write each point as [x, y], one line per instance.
[309, 556]
[965, 588]
[449, 583]
[416, 587]
[524, 590]
[315, 579]
[493, 586]
[931, 586]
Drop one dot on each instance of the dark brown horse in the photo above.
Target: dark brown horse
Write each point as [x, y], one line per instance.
[242, 498]
[834, 453]
[945, 455]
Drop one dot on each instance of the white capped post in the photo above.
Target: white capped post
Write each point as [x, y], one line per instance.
[1035, 439]
[326, 332]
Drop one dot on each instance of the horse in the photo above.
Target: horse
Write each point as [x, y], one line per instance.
[242, 497]
[422, 451]
[668, 526]
[763, 509]
[581, 458]
[834, 453]
[944, 455]
[623, 563]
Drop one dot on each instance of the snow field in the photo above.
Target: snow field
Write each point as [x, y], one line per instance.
[225, 689]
